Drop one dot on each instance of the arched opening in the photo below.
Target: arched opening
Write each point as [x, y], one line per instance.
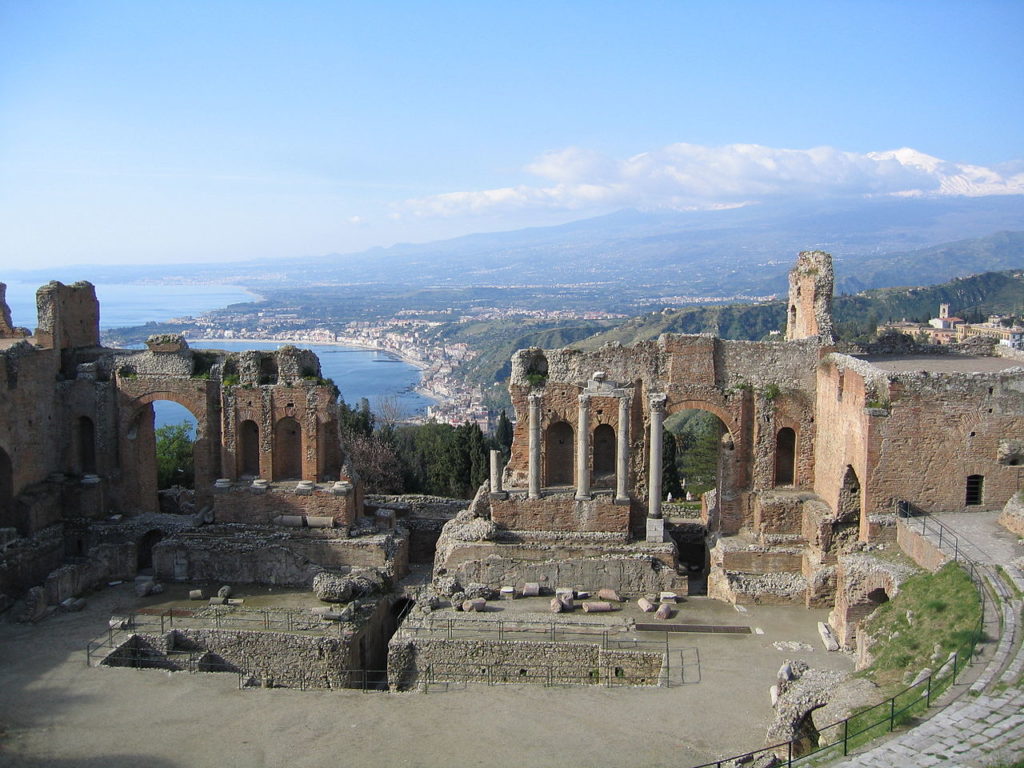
[144, 550]
[6, 491]
[877, 596]
[604, 456]
[287, 449]
[785, 457]
[849, 497]
[975, 493]
[249, 448]
[697, 445]
[86, 446]
[692, 452]
[174, 439]
[559, 454]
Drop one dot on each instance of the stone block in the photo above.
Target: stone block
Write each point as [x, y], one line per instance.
[668, 597]
[531, 589]
[609, 595]
[655, 530]
[195, 594]
[664, 611]
[477, 605]
[827, 637]
[646, 605]
[556, 605]
[508, 593]
[319, 522]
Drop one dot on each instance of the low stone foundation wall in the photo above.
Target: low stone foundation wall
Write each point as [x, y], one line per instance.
[25, 562]
[273, 556]
[631, 569]
[411, 660]
[560, 512]
[260, 507]
[919, 548]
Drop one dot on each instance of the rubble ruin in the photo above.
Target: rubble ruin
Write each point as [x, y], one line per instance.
[822, 446]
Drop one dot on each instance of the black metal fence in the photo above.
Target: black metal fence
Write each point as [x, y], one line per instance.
[839, 739]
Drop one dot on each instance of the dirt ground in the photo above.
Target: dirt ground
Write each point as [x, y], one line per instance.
[57, 711]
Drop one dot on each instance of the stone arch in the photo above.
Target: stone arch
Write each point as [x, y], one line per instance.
[287, 449]
[559, 454]
[604, 455]
[785, 456]
[730, 471]
[249, 448]
[137, 444]
[7, 516]
[86, 446]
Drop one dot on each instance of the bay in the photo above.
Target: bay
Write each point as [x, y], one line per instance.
[359, 373]
[124, 304]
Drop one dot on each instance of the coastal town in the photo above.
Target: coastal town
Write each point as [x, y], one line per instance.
[409, 336]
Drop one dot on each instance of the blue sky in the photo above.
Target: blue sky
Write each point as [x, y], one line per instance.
[190, 131]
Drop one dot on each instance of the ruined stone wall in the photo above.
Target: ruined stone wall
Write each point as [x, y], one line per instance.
[560, 512]
[844, 428]
[280, 658]
[564, 562]
[935, 429]
[411, 659]
[267, 556]
[919, 548]
[243, 505]
[68, 316]
[1012, 517]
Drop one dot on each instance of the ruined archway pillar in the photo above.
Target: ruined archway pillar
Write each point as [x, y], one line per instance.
[533, 469]
[655, 522]
[622, 454]
[583, 449]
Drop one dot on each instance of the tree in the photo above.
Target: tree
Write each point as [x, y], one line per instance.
[669, 469]
[503, 435]
[174, 464]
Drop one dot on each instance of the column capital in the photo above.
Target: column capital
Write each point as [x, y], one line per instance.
[535, 398]
[584, 398]
[657, 401]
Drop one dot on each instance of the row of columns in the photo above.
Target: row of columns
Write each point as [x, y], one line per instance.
[583, 450]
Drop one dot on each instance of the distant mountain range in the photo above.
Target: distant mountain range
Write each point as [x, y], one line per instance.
[875, 242]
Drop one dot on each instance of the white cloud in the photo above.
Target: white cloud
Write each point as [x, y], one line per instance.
[694, 176]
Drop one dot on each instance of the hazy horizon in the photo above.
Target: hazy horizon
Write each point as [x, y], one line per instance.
[138, 133]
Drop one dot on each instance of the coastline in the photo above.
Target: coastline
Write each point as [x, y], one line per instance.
[422, 388]
[415, 362]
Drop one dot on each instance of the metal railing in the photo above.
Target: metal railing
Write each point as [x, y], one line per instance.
[838, 739]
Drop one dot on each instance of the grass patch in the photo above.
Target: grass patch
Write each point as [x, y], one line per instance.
[931, 609]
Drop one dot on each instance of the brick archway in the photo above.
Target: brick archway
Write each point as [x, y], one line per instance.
[137, 438]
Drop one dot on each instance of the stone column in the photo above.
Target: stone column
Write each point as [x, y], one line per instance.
[496, 472]
[655, 523]
[534, 467]
[583, 449]
[622, 452]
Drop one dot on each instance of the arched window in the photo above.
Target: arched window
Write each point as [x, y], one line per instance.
[287, 449]
[249, 448]
[86, 446]
[559, 454]
[604, 451]
[975, 490]
[785, 457]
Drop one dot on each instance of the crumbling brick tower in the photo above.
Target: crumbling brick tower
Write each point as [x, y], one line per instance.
[810, 298]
